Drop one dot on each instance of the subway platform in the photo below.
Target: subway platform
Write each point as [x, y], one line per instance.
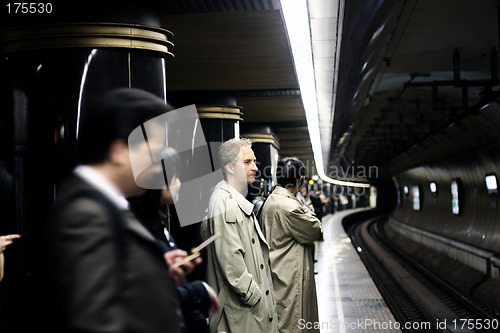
[348, 299]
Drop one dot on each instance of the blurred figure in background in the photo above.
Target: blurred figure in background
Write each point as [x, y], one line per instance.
[290, 229]
[344, 201]
[318, 204]
[108, 271]
[151, 208]
[303, 197]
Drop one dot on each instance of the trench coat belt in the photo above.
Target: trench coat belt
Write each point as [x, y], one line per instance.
[216, 319]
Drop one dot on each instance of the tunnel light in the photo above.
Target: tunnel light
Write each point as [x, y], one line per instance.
[416, 197]
[296, 15]
[491, 184]
[433, 188]
[406, 190]
[455, 195]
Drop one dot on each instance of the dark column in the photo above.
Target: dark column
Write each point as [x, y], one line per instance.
[220, 120]
[52, 65]
[219, 114]
[265, 145]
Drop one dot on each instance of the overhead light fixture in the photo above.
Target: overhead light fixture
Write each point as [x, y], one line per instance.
[296, 15]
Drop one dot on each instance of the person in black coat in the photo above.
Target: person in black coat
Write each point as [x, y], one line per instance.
[318, 207]
[196, 297]
[317, 204]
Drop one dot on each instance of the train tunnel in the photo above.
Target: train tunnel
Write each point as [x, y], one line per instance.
[402, 114]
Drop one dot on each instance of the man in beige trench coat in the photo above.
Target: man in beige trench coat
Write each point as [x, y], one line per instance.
[238, 261]
[290, 228]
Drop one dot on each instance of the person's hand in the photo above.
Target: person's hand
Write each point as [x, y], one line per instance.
[214, 302]
[7, 240]
[179, 273]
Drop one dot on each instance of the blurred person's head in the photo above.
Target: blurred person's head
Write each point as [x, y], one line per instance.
[147, 205]
[303, 191]
[290, 173]
[170, 194]
[172, 165]
[106, 126]
[238, 162]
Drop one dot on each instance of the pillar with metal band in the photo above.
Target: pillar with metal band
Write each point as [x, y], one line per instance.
[51, 68]
[218, 111]
[265, 144]
[220, 119]
[219, 116]
[220, 122]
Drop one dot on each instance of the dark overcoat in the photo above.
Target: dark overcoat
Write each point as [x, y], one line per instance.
[109, 273]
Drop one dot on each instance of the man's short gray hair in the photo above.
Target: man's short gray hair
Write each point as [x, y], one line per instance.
[229, 151]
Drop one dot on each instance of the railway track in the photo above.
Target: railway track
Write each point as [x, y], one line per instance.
[419, 300]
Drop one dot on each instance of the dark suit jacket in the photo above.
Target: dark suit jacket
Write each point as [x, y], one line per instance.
[103, 287]
[318, 205]
[193, 296]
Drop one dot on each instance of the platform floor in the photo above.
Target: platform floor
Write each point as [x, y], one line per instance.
[348, 299]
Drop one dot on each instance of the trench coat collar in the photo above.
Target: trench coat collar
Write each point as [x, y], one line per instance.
[283, 191]
[245, 205]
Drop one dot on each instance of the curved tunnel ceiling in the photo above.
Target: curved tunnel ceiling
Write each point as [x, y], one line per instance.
[389, 69]
[433, 64]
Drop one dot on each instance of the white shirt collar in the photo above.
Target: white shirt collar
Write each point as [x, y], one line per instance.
[96, 179]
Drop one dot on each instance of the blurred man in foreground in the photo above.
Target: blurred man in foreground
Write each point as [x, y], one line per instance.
[109, 273]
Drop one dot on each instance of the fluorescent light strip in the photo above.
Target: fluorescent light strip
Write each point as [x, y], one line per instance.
[296, 17]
